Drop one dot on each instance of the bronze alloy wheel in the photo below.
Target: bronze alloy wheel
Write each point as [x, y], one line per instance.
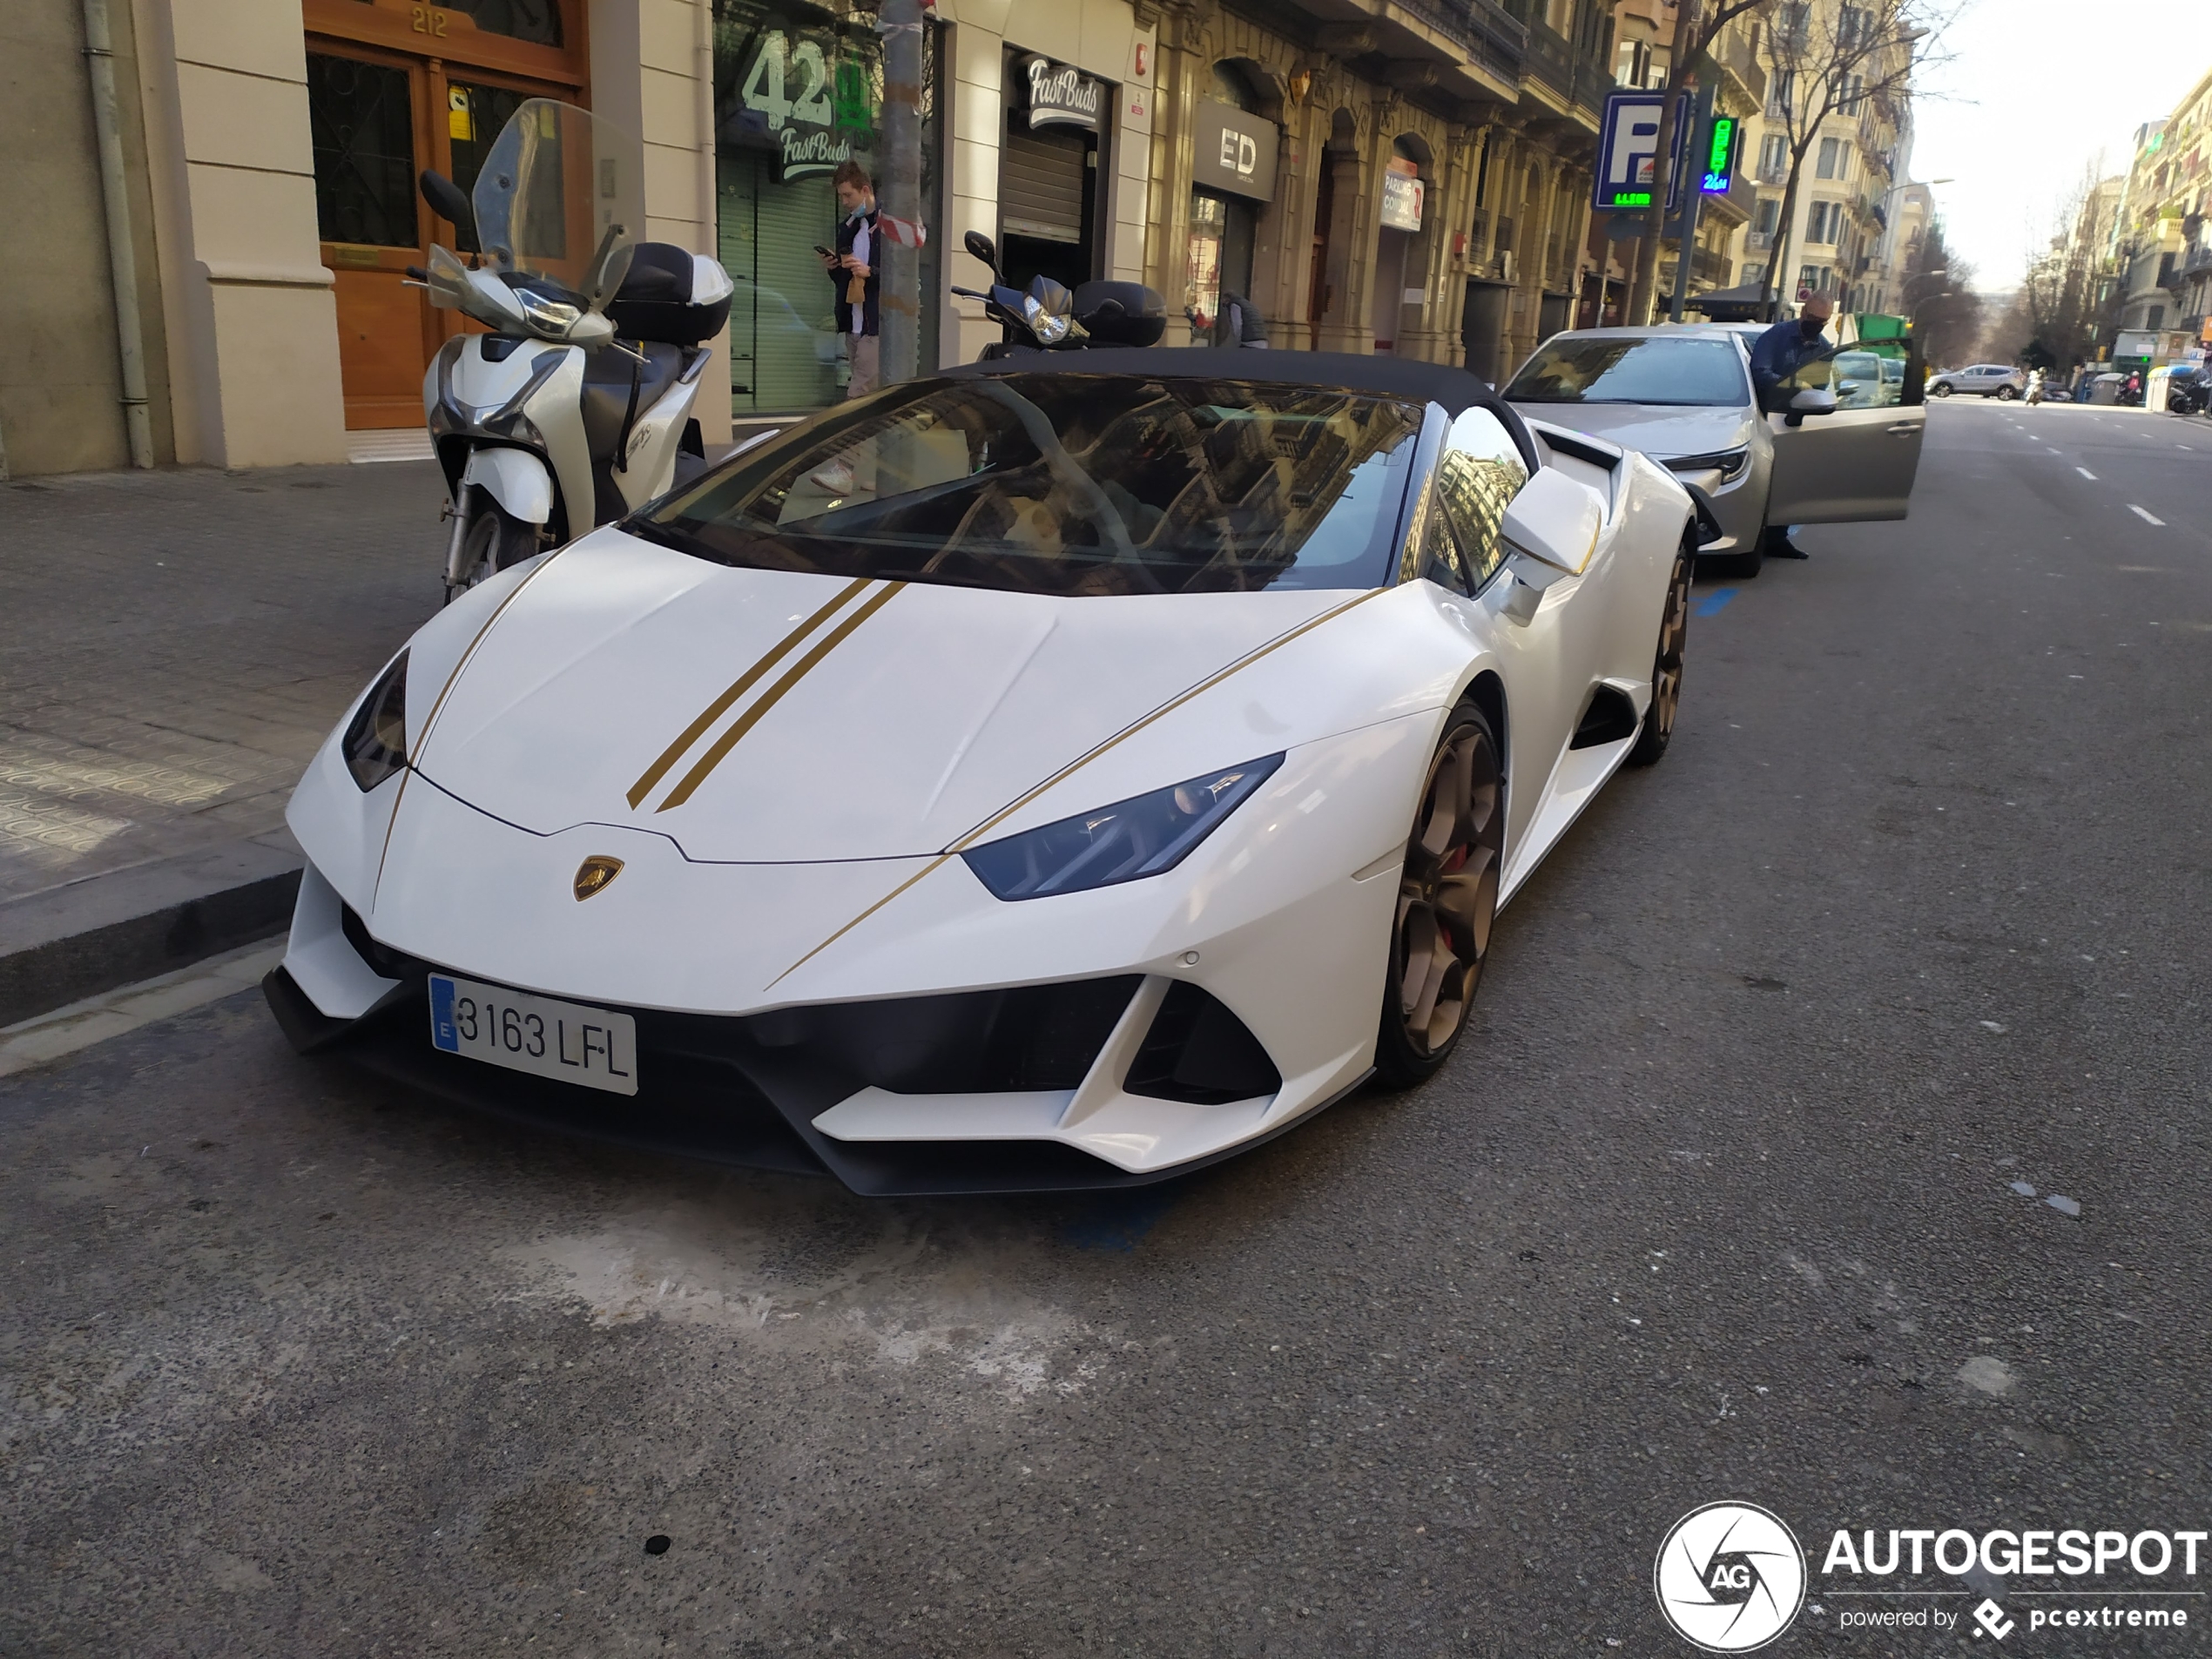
[1447, 895]
[1666, 669]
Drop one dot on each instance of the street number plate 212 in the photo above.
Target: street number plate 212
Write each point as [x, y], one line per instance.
[597, 1048]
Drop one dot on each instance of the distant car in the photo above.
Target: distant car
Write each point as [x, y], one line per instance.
[1683, 396]
[1983, 380]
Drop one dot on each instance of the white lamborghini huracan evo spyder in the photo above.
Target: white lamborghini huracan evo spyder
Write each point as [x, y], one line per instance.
[1061, 771]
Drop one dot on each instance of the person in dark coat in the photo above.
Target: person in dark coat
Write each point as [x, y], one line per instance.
[855, 272]
[1776, 357]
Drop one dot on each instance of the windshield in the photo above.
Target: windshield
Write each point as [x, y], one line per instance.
[1611, 368]
[1070, 485]
[561, 197]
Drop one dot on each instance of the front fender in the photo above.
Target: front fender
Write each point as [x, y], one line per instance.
[515, 479]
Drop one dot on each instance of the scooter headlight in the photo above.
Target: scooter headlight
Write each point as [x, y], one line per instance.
[1144, 835]
[375, 741]
[1050, 330]
[552, 316]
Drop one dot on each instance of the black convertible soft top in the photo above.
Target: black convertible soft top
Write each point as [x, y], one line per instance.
[1454, 389]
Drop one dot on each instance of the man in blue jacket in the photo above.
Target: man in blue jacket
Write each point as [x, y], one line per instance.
[1776, 357]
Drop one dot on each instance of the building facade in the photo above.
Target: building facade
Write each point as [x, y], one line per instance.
[2161, 246]
[1368, 175]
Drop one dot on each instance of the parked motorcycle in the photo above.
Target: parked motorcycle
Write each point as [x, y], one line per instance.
[2189, 391]
[576, 408]
[1048, 318]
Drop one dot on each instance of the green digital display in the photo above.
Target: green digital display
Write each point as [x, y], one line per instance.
[1720, 157]
[1631, 199]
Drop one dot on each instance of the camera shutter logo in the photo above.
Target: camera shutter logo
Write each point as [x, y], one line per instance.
[1729, 1577]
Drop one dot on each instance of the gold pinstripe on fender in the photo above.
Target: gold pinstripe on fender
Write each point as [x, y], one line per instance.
[1070, 769]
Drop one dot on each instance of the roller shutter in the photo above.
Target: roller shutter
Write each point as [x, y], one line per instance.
[1040, 184]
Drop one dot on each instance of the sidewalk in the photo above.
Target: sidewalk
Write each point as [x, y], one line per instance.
[174, 647]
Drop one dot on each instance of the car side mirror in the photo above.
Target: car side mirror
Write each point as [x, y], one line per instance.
[448, 203]
[983, 248]
[1554, 521]
[1813, 400]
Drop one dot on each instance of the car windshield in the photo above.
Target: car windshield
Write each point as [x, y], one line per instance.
[1068, 483]
[1614, 368]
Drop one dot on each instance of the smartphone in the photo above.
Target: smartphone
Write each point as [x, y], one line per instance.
[823, 252]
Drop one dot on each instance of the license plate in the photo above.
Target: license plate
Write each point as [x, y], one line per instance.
[597, 1048]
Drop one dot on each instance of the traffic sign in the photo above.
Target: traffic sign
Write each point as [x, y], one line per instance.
[1629, 146]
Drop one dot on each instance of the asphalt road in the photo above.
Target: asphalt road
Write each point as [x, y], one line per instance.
[1716, 1202]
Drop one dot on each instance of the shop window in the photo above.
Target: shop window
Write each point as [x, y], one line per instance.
[794, 97]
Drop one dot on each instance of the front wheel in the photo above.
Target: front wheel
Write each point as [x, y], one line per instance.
[1447, 897]
[1941, 389]
[1658, 728]
[494, 540]
[2006, 394]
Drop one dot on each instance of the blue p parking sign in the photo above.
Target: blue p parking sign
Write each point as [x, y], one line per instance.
[1629, 146]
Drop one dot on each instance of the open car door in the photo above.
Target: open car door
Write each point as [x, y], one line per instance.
[1854, 464]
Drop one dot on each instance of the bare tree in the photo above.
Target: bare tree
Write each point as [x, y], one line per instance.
[1697, 25]
[1939, 297]
[1836, 60]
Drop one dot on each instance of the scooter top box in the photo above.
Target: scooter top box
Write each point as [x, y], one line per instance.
[670, 296]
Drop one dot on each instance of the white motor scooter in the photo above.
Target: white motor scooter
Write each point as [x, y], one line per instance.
[576, 407]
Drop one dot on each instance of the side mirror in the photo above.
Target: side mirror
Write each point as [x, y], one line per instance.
[1554, 521]
[448, 203]
[1813, 400]
[983, 248]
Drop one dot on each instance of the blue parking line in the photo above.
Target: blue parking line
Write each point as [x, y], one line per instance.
[1716, 602]
[1119, 1220]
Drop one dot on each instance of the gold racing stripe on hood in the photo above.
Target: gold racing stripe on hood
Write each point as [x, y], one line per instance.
[774, 694]
[743, 683]
[1070, 769]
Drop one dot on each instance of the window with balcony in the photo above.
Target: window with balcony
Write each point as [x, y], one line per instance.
[1774, 159]
[1768, 214]
[1835, 159]
[1782, 93]
[1826, 222]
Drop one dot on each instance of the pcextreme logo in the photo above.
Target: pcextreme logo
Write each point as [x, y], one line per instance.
[1729, 1577]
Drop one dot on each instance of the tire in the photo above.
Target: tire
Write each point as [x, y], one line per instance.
[1744, 566]
[1447, 897]
[494, 540]
[1658, 728]
[2006, 394]
[1941, 389]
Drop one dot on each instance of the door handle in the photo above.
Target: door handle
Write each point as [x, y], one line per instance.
[1902, 427]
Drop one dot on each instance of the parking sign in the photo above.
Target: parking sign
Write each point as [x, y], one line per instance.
[1629, 147]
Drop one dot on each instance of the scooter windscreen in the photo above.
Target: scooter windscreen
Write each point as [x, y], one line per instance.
[561, 198]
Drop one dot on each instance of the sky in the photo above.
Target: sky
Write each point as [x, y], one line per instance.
[2034, 89]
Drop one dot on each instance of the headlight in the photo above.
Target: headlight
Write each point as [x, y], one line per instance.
[1049, 329]
[1727, 463]
[555, 316]
[1146, 835]
[376, 740]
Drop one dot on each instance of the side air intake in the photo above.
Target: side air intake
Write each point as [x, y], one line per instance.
[1200, 1053]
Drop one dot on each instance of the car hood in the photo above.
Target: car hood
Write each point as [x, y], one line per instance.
[1657, 431]
[771, 717]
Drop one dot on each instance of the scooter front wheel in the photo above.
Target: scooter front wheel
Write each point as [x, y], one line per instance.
[494, 540]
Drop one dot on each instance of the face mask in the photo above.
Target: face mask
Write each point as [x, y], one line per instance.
[1811, 327]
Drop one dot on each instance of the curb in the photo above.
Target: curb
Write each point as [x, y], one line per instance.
[66, 943]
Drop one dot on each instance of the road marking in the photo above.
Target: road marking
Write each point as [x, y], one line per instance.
[2086, 472]
[1716, 602]
[2148, 518]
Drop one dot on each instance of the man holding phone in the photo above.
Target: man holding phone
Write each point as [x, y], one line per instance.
[852, 270]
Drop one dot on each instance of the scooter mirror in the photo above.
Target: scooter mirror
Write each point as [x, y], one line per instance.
[983, 248]
[448, 203]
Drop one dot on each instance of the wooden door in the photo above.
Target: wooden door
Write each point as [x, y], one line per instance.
[394, 88]
[367, 113]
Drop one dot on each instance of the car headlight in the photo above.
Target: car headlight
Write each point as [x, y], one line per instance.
[555, 316]
[1049, 329]
[375, 741]
[1144, 835]
[1729, 464]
